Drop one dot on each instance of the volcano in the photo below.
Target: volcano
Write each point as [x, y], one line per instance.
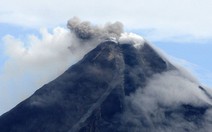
[116, 87]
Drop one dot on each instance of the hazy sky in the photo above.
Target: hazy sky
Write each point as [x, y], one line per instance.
[181, 28]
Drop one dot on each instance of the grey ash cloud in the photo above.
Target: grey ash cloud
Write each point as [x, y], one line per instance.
[85, 30]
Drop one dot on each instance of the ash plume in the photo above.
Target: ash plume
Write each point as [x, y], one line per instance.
[84, 30]
[86, 36]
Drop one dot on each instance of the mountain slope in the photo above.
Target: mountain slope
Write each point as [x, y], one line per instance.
[110, 89]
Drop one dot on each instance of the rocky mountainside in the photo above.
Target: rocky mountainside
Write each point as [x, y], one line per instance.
[111, 90]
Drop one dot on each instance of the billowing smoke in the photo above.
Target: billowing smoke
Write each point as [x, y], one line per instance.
[84, 30]
[86, 36]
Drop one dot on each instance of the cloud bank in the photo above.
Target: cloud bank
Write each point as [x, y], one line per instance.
[165, 105]
[32, 63]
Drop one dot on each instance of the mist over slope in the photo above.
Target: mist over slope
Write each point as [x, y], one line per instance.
[122, 84]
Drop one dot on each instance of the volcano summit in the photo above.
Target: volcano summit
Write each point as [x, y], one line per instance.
[121, 85]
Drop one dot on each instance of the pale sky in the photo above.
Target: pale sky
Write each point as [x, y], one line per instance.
[181, 28]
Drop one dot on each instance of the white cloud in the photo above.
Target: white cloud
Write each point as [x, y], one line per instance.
[204, 75]
[131, 38]
[175, 85]
[176, 17]
[163, 92]
[32, 64]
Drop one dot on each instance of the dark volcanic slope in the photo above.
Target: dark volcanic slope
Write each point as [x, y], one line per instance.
[91, 95]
